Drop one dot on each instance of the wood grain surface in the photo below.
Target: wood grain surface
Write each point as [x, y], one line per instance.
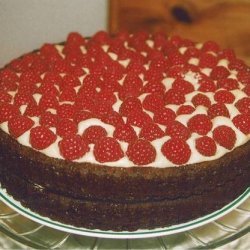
[224, 21]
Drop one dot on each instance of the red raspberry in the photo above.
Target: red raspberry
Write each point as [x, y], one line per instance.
[8, 86]
[66, 127]
[224, 96]
[47, 88]
[107, 149]
[219, 72]
[176, 150]
[174, 97]
[93, 133]
[7, 111]
[82, 115]
[175, 71]
[206, 85]
[41, 137]
[22, 99]
[132, 81]
[69, 80]
[227, 54]
[52, 78]
[5, 97]
[153, 102]
[73, 147]
[206, 146]
[30, 76]
[242, 122]
[237, 64]
[60, 66]
[18, 125]
[228, 84]
[202, 100]
[125, 133]
[210, 46]
[243, 105]
[151, 132]
[68, 95]
[47, 119]
[8, 75]
[76, 39]
[182, 86]
[141, 152]
[138, 118]
[200, 124]
[48, 101]
[185, 109]
[164, 116]
[113, 118]
[244, 76]
[217, 109]
[106, 96]
[246, 89]
[176, 58]
[84, 103]
[177, 130]
[208, 60]
[66, 111]
[32, 110]
[224, 136]
[154, 87]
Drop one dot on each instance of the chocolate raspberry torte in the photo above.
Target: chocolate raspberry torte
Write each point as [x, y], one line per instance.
[125, 132]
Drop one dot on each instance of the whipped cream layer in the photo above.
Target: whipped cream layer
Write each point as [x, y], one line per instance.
[161, 161]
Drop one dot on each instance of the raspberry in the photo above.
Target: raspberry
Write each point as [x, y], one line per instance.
[76, 39]
[237, 64]
[47, 88]
[219, 72]
[69, 81]
[84, 103]
[125, 133]
[113, 118]
[52, 78]
[73, 147]
[82, 115]
[182, 86]
[210, 46]
[66, 111]
[30, 76]
[48, 101]
[68, 95]
[22, 99]
[107, 149]
[224, 136]
[177, 130]
[208, 60]
[243, 105]
[5, 97]
[66, 127]
[93, 133]
[8, 75]
[218, 109]
[185, 109]
[7, 111]
[18, 125]
[8, 86]
[174, 97]
[176, 150]
[41, 137]
[206, 85]
[138, 118]
[132, 81]
[200, 124]
[206, 146]
[47, 119]
[32, 110]
[151, 132]
[244, 76]
[153, 87]
[202, 100]
[176, 58]
[242, 122]
[164, 116]
[228, 84]
[224, 96]
[246, 89]
[106, 96]
[141, 152]
[153, 102]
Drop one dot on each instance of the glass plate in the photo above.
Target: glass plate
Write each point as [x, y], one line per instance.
[29, 228]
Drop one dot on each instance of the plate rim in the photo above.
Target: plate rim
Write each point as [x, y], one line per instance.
[142, 233]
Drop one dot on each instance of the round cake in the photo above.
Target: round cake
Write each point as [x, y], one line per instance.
[125, 132]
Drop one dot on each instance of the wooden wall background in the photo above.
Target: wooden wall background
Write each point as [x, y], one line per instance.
[225, 21]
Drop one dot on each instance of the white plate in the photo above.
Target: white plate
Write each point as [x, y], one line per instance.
[15, 205]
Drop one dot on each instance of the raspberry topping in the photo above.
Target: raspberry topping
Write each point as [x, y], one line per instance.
[93, 133]
[243, 105]
[19, 125]
[224, 136]
[206, 146]
[141, 152]
[242, 122]
[125, 133]
[200, 124]
[107, 149]
[73, 147]
[41, 137]
[151, 131]
[178, 130]
[177, 151]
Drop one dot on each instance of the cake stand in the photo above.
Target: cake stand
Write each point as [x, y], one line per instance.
[217, 229]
